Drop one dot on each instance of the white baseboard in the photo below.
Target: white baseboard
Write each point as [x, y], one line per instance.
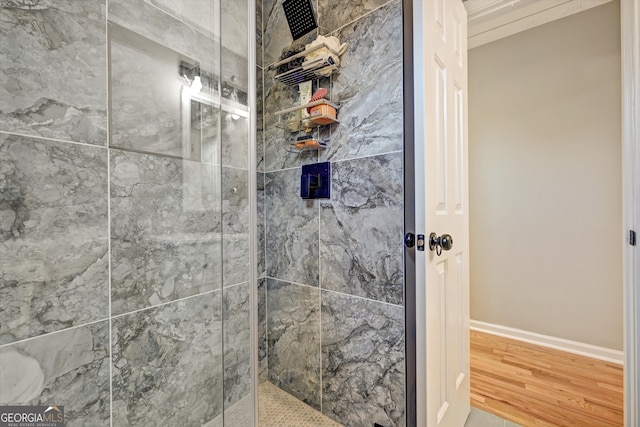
[582, 349]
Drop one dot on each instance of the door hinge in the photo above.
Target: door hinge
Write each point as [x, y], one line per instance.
[632, 237]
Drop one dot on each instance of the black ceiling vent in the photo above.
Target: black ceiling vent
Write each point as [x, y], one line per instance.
[300, 17]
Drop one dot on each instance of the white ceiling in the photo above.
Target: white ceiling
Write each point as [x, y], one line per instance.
[490, 20]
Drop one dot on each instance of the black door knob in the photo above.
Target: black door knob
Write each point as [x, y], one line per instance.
[446, 241]
[438, 244]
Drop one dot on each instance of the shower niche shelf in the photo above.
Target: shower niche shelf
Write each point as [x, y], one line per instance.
[298, 72]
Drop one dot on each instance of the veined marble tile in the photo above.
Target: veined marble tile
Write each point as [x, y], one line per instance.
[361, 229]
[292, 230]
[263, 373]
[293, 333]
[259, 53]
[146, 97]
[235, 26]
[235, 226]
[69, 368]
[261, 226]
[236, 261]
[53, 75]
[161, 25]
[180, 26]
[259, 120]
[195, 22]
[167, 364]
[235, 200]
[333, 14]
[165, 230]
[276, 33]
[277, 140]
[239, 414]
[198, 14]
[362, 361]
[236, 315]
[369, 87]
[54, 235]
[235, 141]
[152, 108]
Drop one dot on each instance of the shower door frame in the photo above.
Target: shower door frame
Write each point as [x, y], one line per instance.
[410, 350]
[630, 56]
[253, 203]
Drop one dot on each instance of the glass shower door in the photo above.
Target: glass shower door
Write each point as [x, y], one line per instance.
[125, 251]
[166, 213]
[238, 195]
[180, 215]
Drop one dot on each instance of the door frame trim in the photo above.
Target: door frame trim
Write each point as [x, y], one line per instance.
[630, 49]
[630, 45]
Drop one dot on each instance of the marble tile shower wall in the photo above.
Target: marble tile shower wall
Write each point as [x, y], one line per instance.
[111, 233]
[331, 301]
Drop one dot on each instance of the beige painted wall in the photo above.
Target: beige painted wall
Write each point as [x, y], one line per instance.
[545, 179]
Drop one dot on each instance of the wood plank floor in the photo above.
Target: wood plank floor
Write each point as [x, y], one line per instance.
[537, 386]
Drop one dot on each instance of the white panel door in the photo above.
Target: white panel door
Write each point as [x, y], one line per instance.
[440, 57]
